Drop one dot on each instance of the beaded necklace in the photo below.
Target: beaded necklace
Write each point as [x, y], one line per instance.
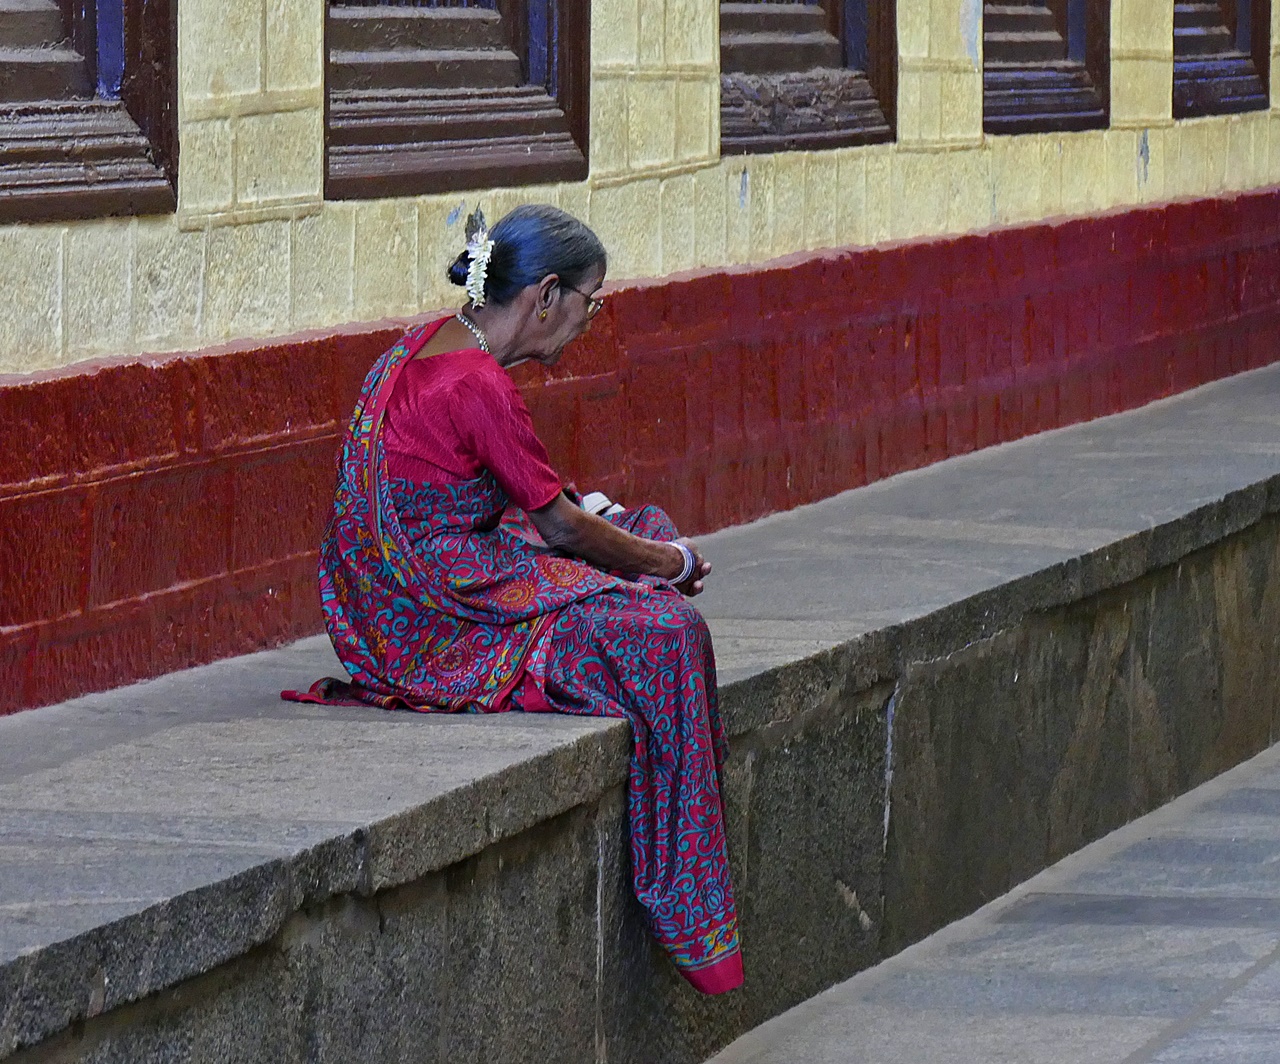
[476, 331]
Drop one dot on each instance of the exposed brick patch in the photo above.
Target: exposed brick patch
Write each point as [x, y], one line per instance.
[158, 513]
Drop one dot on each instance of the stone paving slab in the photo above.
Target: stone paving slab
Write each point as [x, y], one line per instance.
[177, 804]
[1179, 959]
[897, 550]
[156, 831]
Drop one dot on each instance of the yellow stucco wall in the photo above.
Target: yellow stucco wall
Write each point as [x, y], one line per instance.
[253, 250]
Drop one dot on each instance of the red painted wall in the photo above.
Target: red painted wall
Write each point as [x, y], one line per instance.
[159, 513]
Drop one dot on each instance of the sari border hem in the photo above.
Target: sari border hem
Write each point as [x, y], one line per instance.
[719, 977]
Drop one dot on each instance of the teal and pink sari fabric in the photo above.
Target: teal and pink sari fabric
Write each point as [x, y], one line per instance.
[436, 601]
[644, 653]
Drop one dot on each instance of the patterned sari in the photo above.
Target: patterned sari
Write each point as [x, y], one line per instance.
[434, 601]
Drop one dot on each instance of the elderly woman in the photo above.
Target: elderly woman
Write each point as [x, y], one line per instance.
[439, 597]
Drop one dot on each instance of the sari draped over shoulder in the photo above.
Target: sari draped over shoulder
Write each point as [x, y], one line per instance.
[430, 599]
[436, 602]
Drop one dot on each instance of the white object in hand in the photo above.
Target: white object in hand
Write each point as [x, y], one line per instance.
[598, 503]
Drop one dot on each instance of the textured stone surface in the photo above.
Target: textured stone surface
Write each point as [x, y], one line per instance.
[1181, 962]
[31, 322]
[1018, 749]
[804, 801]
[806, 804]
[934, 688]
[234, 826]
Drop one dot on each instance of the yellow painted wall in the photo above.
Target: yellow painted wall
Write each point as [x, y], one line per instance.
[254, 251]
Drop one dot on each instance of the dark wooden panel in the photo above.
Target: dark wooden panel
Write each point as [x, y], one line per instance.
[434, 97]
[1221, 62]
[28, 74]
[515, 24]
[1260, 41]
[415, 143]
[1097, 23]
[768, 38]
[77, 159]
[91, 157]
[574, 85]
[38, 59]
[490, 4]
[1038, 75]
[806, 75]
[80, 18]
[150, 86]
[882, 54]
[823, 108]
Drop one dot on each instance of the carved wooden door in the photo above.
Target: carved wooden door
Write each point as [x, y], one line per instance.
[1037, 75]
[427, 95]
[1221, 57]
[88, 106]
[797, 75]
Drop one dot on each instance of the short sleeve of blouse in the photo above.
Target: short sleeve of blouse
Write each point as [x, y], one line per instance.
[491, 419]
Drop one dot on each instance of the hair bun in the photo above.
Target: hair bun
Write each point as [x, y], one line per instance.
[458, 271]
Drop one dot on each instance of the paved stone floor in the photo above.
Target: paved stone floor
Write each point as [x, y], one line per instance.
[1159, 943]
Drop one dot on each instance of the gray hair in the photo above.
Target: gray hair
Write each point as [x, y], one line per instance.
[529, 243]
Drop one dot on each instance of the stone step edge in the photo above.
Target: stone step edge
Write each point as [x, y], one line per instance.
[127, 955]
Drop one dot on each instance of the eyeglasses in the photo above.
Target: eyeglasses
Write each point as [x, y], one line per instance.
[593, 305]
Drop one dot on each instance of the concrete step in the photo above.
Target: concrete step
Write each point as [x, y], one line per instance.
[42, 74]
[384, 27]
[420, 68]
[30, 23]
[1156, 943]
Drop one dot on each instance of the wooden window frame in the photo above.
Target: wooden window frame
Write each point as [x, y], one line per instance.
[867, 32]
[62, 160]
[364, 159]
[1085, 26]
[1198, 85]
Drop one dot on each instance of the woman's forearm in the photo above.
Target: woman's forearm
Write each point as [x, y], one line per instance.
[593, 539]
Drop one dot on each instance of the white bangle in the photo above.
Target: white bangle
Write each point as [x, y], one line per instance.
[689, 563]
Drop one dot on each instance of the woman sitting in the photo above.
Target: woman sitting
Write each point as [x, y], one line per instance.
[435, 600]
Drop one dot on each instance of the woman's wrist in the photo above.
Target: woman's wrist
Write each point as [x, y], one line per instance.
[687, 563]
[671, 562]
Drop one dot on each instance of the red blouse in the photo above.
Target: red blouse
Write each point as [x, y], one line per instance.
[452, 415]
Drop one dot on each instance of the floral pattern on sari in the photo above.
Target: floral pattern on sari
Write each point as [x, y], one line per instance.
[436, 597]
[430, 599]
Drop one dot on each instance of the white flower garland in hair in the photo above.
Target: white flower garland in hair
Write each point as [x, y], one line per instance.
[479, 249]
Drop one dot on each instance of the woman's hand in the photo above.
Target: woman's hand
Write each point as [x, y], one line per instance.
[565, 527]
[701, 569]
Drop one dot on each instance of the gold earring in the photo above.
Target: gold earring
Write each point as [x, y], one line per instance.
[542, 316]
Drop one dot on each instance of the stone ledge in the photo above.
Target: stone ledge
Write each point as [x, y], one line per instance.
[881, 655]
[515, 773]
[219, 817]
